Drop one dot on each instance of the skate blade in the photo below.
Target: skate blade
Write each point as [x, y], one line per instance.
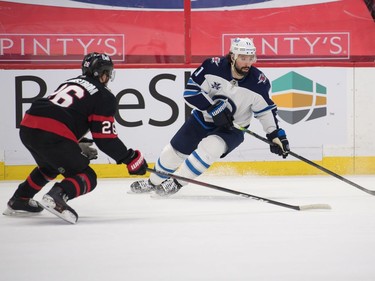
[66, 215]
[162, 196]
[19, 213]
[139, 193]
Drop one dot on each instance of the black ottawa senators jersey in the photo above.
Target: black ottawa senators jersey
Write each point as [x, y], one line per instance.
[79, 105]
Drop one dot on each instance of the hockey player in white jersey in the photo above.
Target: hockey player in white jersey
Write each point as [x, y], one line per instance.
[222, 90]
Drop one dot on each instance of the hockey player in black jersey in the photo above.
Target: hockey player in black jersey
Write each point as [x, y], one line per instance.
[53, 130]
[222, 90]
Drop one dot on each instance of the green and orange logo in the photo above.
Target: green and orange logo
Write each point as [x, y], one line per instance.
[298, 98]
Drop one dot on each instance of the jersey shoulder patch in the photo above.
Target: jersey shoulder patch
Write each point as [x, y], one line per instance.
[262, 78]
[259, 76]
[216, 60]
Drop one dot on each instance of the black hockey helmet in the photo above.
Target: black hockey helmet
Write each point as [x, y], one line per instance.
[96, 64]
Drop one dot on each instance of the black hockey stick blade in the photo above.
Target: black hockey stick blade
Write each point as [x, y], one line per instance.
[254, 197]
[372, 192]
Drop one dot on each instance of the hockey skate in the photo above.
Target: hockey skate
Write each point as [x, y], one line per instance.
[142, 186]
[22, 206]
[168, 187]
[55, 202]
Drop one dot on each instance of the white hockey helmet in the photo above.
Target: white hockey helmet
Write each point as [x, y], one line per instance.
[242, 46]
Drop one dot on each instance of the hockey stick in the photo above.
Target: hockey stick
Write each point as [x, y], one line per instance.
[261, 199]
[372, 192]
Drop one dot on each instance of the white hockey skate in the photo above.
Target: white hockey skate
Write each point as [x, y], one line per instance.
[168, 187]
[55, 202]
[142, 186]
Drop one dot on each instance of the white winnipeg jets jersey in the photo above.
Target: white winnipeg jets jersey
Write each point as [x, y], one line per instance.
[245, 98]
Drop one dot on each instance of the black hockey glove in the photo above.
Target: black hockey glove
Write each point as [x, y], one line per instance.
[135, 162]
[280, 144]
[88, 151]
[221, 115]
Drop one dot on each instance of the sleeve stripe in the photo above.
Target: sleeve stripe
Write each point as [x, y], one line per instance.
[190, 93]
[192, 82]
[103, 136]
[270, 107]
[95, 117]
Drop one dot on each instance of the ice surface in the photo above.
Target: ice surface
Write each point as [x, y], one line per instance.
[198, 234]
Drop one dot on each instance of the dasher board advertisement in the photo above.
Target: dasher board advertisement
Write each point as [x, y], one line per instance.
[314, 109]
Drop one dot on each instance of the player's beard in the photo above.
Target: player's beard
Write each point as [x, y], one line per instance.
[243, 71]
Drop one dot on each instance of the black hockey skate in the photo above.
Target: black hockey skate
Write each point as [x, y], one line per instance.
[22, 206]
[168, 187]
[142, 186]
[55, 202]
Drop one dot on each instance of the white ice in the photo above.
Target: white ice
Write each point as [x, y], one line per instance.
[198, 234]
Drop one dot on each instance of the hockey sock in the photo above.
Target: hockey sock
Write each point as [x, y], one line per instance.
[79, 184]
[169, 160]
[209, 150]
[33, 184]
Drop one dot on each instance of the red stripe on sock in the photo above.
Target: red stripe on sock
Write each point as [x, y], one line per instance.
[76, 185]
[88, 183]
[33, 184]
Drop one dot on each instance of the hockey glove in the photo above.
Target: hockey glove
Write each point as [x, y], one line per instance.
[135, 162]
[280, 144]
[88, 151]
[221, 115]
